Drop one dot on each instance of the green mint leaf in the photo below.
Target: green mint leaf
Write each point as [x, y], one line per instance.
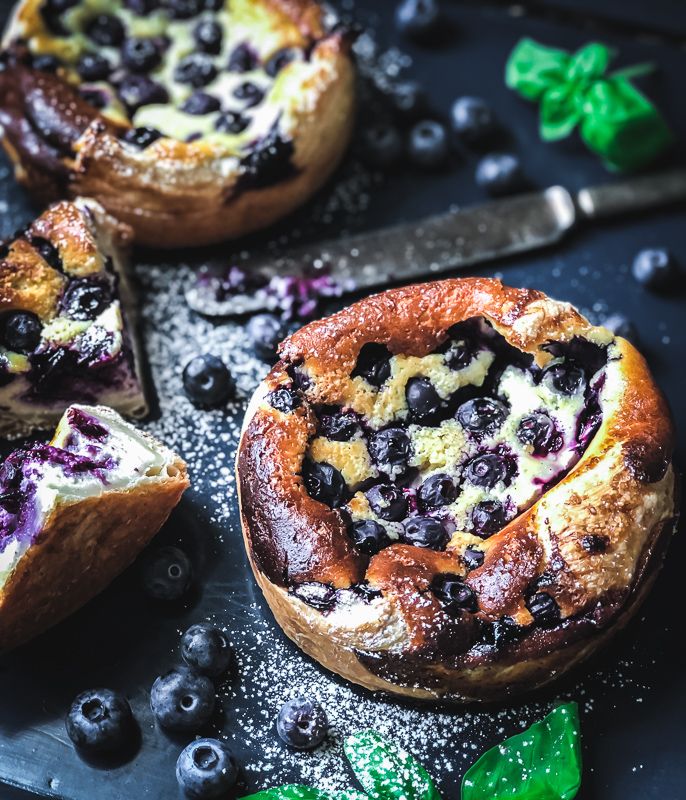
[290, 791]
[387, 772]
[590, 62]
[532, 68]
[543, 763]
[560, 112]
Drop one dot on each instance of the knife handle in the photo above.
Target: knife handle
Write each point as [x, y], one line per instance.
[637, 194]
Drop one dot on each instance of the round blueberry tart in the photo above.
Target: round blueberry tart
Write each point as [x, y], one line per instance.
[193, 121]
[456, 489]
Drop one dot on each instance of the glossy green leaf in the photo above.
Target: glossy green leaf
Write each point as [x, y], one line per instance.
[386, 771]
[289, 791]
[560, 112]
[590, 62]
[543, 763]
[532, 68]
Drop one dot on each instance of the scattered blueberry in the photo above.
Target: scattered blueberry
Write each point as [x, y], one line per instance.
[279, 60]
[424, 532]
[488, 517]
[408, 99]
[382, 145]
[473, 120]
[302, 723]
[46, 63]
[654, 268]
[459, 355]
[242, 59]
[437, 490]
[387, 501]
[418, 19]
[339, 427]
[390, 450]
[196, 69]
[140, 55]
[622, 326]
[206, 769]
[429, 144]
[181, 700]
[86, 298]
[249, 93]
[106, 30]
[93, 67]
[141, 137]
[487, 470]
[208, 36]
[231, 122]
[100, 720]
[185, 9]
[200, 103]
[565, 377]
[265, 332]
[48, 252]
[140, 90]
[207, 381]
[20, 331]
[369, 536]
[167, 573]
[543, 608]
[482, 415]
[206, 650]
[325, 483]
[453, 593]
[98, 98]
[284, 400]
[423, 401]
[472, 557]
[373, 364]
[500, 173]
[141, 7]
[538, 431]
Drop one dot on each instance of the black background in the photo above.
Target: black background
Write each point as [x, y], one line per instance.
[632, 749]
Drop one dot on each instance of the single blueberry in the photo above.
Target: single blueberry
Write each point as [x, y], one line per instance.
[185, 9]
[206, 769]
[423, 401]
[201, 103]
[106, 30]
[100, 720]
[369, 536]
[564, 377]
[207, 381]
[302, 723]
[425, 532]
[20, 331]
[181, 700]
[502, 632]
[487, 470]
[136, 91]
[208, 36]
[265, 332]
[141, 7]
[543, 608]
[339, 427]
[390, 450]
[459, 355]
[242, 59]
[654, 268]
[381, 145]
[140, 55]
[93, 67]
[86, 298]
[408, 99]
[482, 416]
[373, 364]
[249, 93]
[538, 431]
[499, 174]
[418, 19]
[325, 483]
[488, 517]
[279, 60]
[429, 145]
[206, 650]
[46, 63]
[387, 502]
[196, 69]
[167, 573]
[437, 490]
[473, 119]
[453, 593]
[141, 137]
[98, 98]
[472, 557]
[594, 543]
[231, 122]
[284, 400]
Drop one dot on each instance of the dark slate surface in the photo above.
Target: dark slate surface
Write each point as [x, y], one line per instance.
[631, 749]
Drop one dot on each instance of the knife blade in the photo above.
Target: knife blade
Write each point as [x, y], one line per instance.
[438, 244]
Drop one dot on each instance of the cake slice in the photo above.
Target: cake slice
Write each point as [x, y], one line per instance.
[66, 319]
[75, 512]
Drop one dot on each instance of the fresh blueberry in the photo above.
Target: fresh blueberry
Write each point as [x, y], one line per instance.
[387, 502]
[488, 517]
[242, 59]
[206, 769]
[453, 593]
[185, 9]
[459, 355]
[654, 268]
[86, 298]
[207, 381]
[622, 326]
[373, 364]
[197, 70]
[206, 650]
[487, 470]
[181, 700]
[106, 30]
[140, 55]
[429, 145]
[46, 63]
[499, 174]
[382, 145]
[472, 557]
[318, 595]
[390, 450]
[167, 573]
[265, 332]
[482, 416]
[98, 98]
[231, 122]
[325, 483]
[408, 99]
[543, 608]
[100, 720]
[200, 103]
[473, 120]
[208, 36]
[437, 490]
[284, 400]
[141, 7]
[249, 93]
[564, 377]
[369, 536]
[136, 91]
[93, 67]
[418, 19]
[339, 427]
[279, 60]
[538, 431]
[141, 137]
[424, 532]
[20, 331]
[423, 401]
[302, 723]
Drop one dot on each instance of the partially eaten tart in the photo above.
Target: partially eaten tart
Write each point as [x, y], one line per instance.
[67, 319]
[456, 489]
[75, 512]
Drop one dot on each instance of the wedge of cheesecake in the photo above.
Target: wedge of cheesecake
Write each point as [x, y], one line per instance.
[75, 512]
[66, 319]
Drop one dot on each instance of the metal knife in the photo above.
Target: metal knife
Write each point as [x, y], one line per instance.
[445, 242]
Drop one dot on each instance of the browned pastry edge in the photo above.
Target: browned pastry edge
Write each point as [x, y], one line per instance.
[292, 538]
[83, 546]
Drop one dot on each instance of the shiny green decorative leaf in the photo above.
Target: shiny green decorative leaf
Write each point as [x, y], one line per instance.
[560, 112]
[590, 62]
[387, 772]
[532, 68]
[290, 791]
[543, 763]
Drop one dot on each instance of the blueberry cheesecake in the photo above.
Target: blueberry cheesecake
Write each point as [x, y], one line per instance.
[193, 121]
[456, 489]
[66, 319]
[75, 512]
